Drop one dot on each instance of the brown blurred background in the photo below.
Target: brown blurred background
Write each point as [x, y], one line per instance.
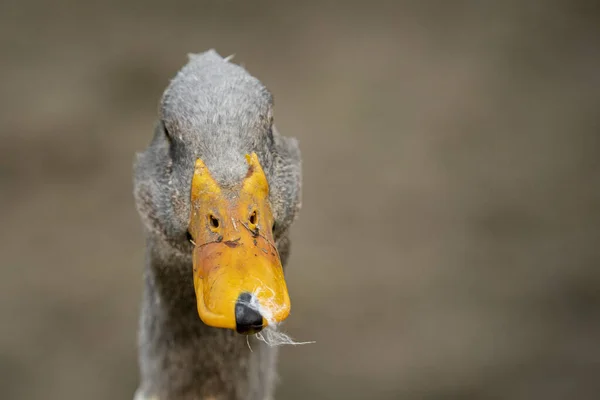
[448, 247]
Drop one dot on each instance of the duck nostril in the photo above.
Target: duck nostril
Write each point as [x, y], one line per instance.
[214, 221]
[247, 320]
[253, 218]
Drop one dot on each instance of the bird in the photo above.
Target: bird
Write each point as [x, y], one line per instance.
[217, 190]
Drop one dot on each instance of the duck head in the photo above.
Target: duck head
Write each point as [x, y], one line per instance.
[218, 187]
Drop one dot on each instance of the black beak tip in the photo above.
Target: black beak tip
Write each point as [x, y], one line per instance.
[248, 321]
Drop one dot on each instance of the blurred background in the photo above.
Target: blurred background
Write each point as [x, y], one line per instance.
[448, 245]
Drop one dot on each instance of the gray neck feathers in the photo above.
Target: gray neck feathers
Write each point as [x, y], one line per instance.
[180, 357]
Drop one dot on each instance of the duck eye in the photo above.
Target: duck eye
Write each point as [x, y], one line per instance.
[253, 218]
[167, 133]
[213, 221]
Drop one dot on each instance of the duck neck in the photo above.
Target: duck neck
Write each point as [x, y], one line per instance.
[181, 357]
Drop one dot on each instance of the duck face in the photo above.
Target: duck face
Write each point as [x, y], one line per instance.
[210, 188]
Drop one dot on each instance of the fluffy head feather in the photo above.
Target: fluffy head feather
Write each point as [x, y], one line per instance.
[213, 110]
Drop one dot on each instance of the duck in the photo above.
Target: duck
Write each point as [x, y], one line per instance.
[217, 190]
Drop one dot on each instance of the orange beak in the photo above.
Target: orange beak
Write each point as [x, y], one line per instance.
[238, 276]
